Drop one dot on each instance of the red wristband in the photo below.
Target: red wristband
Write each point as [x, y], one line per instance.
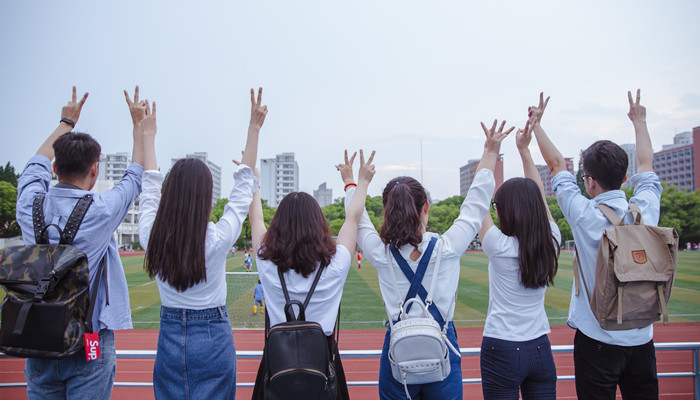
[348, 185]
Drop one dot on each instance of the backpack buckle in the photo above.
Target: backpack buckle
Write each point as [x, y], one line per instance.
[41, 288]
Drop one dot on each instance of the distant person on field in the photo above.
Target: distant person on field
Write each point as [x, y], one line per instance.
[196, 357]
[359, 260]
[77, 163]
[522, 251]
[297, 251]
[605, 359]
[248, 262]
[258, 297]
[406, 207]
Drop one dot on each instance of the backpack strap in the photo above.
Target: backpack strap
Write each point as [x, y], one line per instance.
[75, 219]
[416, 279]
[101, 274]
[38, 219]
[302, 307]
[579, 270]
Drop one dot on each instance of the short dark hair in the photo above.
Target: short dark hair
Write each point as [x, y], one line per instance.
[607, 163]
[75, 153]
[403, 198]
[522, 214]
[298, 237]
[176, 247]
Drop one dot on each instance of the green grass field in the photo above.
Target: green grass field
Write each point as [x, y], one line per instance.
[362, 308]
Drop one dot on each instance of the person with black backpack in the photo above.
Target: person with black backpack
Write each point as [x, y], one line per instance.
[186, 253]
[77, 160]
[417, 266]
[303, 272]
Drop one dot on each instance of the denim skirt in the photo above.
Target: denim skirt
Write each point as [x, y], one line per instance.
[196, 358]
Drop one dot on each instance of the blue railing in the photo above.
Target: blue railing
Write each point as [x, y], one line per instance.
[694, 347]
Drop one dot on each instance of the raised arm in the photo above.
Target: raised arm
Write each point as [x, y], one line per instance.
[70, 113]
[492, 147]
[522, 141]
[257, 118]
[348, 232]
[256, 219]
[138, 109]
[638, 116]
[549, 151]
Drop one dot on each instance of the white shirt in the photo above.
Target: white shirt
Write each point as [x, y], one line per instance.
[516, 313]
[324, 302]
[455, 242]
[219, 239]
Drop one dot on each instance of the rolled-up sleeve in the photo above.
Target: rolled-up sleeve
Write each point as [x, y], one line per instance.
[35, 180]
[647, 195]
[569, 197]
[228, 228]
[148, 207]
[472, 211]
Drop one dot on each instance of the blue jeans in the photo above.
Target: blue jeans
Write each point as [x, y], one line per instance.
[73, 377]
[450, 388]
[196, 358]
[510, 367]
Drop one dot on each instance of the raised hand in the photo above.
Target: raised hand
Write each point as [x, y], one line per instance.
[366, 172]
[257, 111]
[346, 168]
[136, 108]
[637, 113]
[71, 110]
[535, 113]
[148, 123]
[494, 136]
[523, 137]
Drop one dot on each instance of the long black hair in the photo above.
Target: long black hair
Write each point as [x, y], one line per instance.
[298, 237]
[176, 247]
[403, 199]
[523, 214]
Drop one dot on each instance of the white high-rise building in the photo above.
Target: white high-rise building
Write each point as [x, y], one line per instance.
[323, 195]
[631, 150]
[279, 176]
[113, 166]
[215, 173]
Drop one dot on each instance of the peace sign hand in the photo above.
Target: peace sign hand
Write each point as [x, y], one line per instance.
[535, 113]
[346, 168]
[72, 110]
[136, 108]
[257, 110]
[637, 113]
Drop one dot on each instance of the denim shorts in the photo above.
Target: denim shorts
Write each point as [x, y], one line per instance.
[73, 377]
[508, 367]
[449, 388]
[196, 358]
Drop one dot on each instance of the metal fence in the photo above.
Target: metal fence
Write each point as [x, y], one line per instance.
[694, 347]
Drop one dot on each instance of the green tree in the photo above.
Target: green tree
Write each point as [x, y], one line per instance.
[8, 204]
[7, 174]
[681, 210]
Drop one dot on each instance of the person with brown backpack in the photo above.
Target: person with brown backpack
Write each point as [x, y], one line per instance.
[603, 358]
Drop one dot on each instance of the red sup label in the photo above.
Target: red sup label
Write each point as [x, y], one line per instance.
[92, 346]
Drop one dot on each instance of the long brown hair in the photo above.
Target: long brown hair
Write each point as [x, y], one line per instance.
[176, 247]
[522, 214]
[298, 237]
[403, 200]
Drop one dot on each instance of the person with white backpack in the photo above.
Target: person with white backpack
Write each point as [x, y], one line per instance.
[418, 276]
[516, 355]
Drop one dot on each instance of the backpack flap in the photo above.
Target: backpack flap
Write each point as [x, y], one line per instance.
[647, 254]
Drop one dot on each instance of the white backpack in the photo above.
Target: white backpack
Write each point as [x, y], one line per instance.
[418, 349]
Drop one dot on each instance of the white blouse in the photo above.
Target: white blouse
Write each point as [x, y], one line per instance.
[455, 242]
[516, 313]
[219, 239]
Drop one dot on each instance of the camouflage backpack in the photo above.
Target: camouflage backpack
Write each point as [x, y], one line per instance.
[47, 308]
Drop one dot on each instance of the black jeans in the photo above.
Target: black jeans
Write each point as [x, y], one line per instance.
[601, 367]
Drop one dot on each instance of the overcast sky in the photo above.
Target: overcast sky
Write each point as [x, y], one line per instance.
[380, 75]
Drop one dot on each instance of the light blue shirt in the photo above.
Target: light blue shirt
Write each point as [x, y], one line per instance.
[95, 236]
[258, 292]
[587, 224]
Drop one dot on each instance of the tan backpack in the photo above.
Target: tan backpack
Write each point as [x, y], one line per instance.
[635, 269]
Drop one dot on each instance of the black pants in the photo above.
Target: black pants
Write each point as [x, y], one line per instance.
[601, 367]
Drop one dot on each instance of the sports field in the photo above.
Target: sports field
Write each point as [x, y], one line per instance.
[362, 308]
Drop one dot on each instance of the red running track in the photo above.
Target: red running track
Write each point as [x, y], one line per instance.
[135, 370]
